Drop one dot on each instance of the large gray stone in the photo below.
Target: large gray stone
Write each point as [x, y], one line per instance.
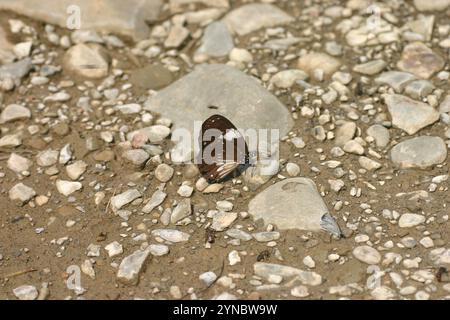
[420, 60]
[152, 76]
[380, 134]
[410, 115]
[293, 204]
[131, 266]
[14, 112]
[314, 61]
[431, 5]
[87, 60]
[420, 152]
[235, 95]
[124, 17]
[395, 79]
[252, 17]
[16, 70]
[217, 40]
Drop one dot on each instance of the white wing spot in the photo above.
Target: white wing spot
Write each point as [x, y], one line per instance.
[232, 134]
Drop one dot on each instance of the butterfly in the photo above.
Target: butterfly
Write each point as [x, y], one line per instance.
[222, 149]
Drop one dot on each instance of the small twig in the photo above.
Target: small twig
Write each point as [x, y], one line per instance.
[19, 273]
[15, 151]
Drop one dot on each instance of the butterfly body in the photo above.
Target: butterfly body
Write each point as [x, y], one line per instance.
[222, 149]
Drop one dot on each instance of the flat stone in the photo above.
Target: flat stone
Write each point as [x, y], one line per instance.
[177, 36]
[282, 44]
[440, 256]
[137, 157]
[202, 17]
[87, 60]
[410, 115]
[422, 26]
[131, 266]
[114, 249]
[420, 152]
[26, 292]
[240, 55]
[18, 163]
[11, 140]
[155, 134]
[14, 112]
[336, 185]
[239, 234]
[76, 169]
[265, 270]
[432, 5]
[419, 89]
[125, 18]
[130, 108]
[216, 40]
[353, 147]
[367, 254]
[345, 133]
[292, 169]
[420, 60]
[380, 134]
[234, 258]
[314, 61]
[395, 79]
[208, 278]
[266, 236]
[171, 235]
[164, 172]
[370, 68]
[47, 158]
[408, 220]
[222, 220]
[120, 200]
[86, 36]
[224, 296]
[293, 204]
[61, 96]
[369, 164]
[157, 198]
[16, 70]
[382, 293]
[181, 211]
[333, 48]
[287, 78]
[158, 250]
[152, 76]
[300, 292]
[23, 49]
[21, 193]
[177, 5]
[238, 97]
[66, 188]
[251, 17]
[224, 205]
[185, 191]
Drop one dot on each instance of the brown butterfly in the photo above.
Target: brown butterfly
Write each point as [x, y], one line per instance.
[222, 149]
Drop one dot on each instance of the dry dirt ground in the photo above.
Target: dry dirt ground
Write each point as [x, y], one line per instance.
[38, 257]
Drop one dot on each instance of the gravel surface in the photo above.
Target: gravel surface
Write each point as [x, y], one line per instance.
[98, 201]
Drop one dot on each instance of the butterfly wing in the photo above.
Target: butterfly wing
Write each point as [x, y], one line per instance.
[215, 167]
